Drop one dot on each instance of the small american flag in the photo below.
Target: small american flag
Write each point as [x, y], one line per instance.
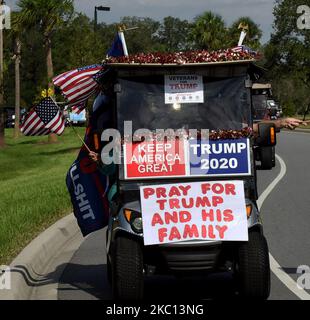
[79, 85]
[244, 49]
[43, 119]
[79, 107]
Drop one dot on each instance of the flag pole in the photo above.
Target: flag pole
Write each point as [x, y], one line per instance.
[86, 146]
[68, 122]
[244, 30]
[122, 37]
[129, 29]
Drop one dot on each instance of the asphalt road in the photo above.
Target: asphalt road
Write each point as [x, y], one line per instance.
[286, 218]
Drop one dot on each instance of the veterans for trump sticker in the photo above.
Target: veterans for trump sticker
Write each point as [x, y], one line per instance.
[183, 89]
[194, 211]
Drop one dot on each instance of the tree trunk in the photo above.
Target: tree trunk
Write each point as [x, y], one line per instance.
[306, 112]
[17, 87]
[52, 138]
[2, 124]
[49, 63]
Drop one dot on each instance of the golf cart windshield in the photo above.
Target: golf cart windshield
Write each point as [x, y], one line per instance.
[260, 106]
[142, 100]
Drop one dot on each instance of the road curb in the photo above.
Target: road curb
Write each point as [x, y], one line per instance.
[28, 270]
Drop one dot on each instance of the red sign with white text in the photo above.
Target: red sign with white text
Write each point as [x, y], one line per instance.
[154, 159]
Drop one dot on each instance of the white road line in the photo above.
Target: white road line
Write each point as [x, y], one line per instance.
[273, 184]
[274, 265]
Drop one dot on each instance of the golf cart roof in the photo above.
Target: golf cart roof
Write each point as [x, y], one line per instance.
[208, 69]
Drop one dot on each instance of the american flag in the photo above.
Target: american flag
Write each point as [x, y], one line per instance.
[79, 85]
[244, 49]
[78, 108]
[43, 119]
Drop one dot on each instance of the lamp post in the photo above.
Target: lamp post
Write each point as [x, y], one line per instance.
[17, 58]
[99, 8]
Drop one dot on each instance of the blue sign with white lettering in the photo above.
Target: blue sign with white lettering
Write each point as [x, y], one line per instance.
[219, 157]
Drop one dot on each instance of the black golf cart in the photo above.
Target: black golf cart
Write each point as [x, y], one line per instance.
[265, 108]
[220, 102]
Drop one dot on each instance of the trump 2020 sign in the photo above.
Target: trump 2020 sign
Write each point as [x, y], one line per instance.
[219, 157]
[187, 158]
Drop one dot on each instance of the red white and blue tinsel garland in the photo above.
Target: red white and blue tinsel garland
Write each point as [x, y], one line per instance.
[198, 56]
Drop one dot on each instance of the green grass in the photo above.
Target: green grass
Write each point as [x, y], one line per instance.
[33, 192]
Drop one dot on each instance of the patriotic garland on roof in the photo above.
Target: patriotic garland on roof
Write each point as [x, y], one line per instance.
[231, 134]
[200, 56]
[220, 134]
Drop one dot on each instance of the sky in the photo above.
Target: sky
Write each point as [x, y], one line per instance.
[259, 10]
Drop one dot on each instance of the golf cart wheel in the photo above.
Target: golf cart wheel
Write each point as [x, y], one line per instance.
[253, 266]
[109, 271]
[127, 269]
[266, 158]
[109, 265]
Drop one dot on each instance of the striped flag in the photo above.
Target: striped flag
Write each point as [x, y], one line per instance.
[79, 85]
[237, 49]
[244, 49]
[43, 119]
[78, 108]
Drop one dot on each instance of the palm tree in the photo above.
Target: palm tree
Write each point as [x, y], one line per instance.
[49, 15]
[209, 32]
[16, 34]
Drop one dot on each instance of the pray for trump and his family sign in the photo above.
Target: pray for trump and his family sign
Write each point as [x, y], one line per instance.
[194, 211]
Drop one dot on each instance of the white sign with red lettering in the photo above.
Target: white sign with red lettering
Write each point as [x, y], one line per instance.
[194, 211]
[183, 89]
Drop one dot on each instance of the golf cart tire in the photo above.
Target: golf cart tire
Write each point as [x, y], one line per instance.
[266, 158]
[109, 272]
[254, 267]
[127, 270]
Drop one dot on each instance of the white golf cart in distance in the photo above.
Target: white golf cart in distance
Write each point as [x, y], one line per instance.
[198, 213]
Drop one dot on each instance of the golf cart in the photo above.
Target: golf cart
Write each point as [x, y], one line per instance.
[260, 94]
[143, 240]
[264, 108]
